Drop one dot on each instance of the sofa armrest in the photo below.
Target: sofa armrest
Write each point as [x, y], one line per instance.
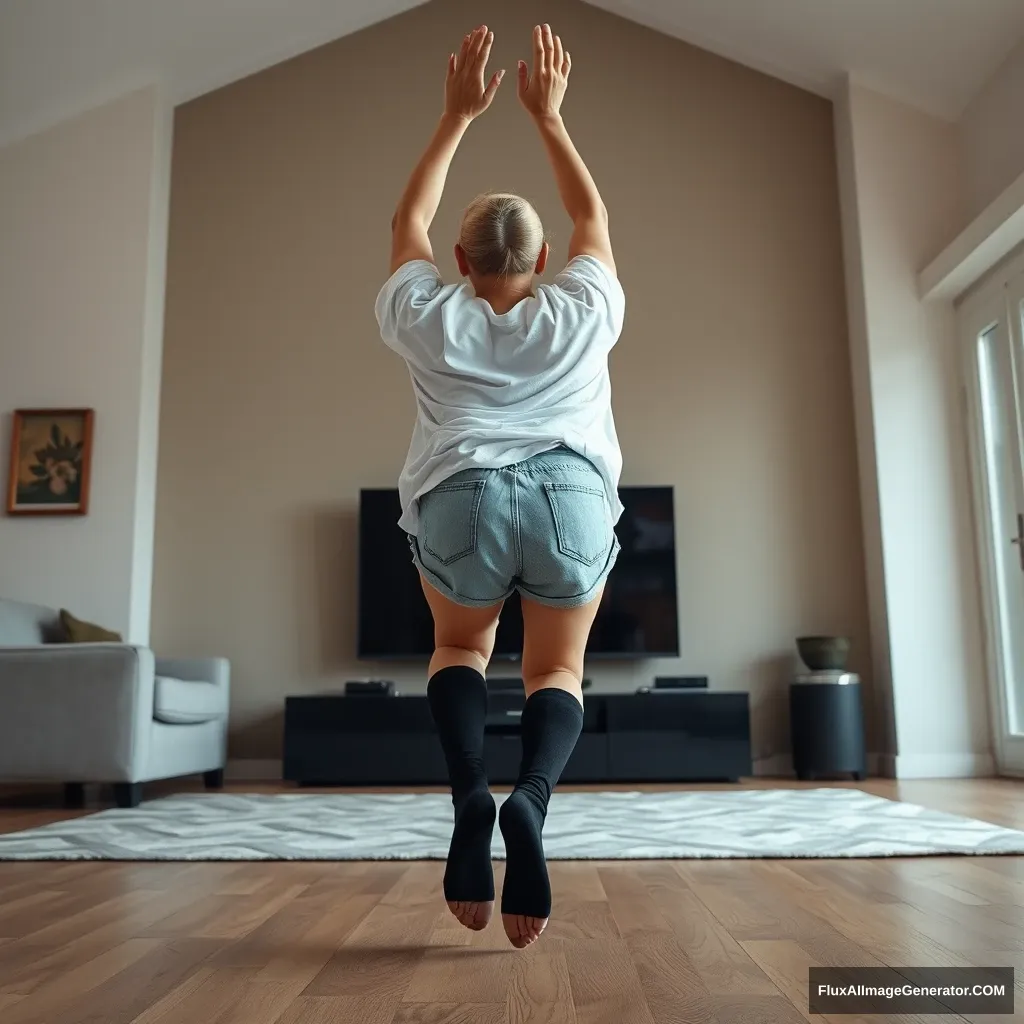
[75, 712]
[196, 670]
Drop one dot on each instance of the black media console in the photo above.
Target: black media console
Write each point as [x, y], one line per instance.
[681, 736]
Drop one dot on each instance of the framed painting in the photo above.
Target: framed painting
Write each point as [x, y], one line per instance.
[51, 456]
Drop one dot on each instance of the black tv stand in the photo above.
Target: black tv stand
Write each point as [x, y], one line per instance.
[684, 736]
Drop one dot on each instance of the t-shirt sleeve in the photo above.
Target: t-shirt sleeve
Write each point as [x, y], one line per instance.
[594, 293]
[408, 311]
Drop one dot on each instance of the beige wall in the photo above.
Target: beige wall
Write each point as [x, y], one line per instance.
[731, 382]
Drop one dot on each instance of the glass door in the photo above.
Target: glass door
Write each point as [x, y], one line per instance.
[993, 327]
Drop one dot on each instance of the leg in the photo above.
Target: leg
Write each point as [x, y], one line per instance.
[462, 636]
[555, 644]
[214, 779]
[464, 640]
[128, 794]
[74, 796]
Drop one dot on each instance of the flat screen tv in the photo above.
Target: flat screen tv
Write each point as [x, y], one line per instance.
[638, 616]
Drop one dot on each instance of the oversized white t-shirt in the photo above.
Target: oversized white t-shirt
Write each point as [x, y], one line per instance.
[492, 388]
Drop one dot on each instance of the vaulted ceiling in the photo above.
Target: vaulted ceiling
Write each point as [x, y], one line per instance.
[61, 56]
[58, 57]
[932, 54]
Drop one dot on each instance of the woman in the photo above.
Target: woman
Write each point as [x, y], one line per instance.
[511, 481]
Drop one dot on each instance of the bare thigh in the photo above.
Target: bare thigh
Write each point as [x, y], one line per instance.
[462, 636]
[555, 644]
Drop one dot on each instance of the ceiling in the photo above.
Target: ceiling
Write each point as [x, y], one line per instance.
[58, 57]
[933, 54]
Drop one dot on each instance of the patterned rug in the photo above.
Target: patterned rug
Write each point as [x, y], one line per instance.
[580, 826]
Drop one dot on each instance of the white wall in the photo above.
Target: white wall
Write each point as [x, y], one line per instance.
[902, 198]
[992, 134]
[83, 213]
[878, 620]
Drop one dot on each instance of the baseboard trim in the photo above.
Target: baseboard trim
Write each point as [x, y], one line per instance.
[944, 766]
[253, 770]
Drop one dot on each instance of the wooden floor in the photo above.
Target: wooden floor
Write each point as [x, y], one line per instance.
[372, 943]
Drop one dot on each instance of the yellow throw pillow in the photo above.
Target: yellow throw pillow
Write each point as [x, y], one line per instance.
[78, 632]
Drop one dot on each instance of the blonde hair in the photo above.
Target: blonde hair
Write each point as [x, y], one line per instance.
[501, 234]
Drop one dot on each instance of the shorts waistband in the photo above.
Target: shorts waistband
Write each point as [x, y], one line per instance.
[562, 457]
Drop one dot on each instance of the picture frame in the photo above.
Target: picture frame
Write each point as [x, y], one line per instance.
[50, 462]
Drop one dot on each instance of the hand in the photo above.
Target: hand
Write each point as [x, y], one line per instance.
[465, 95]
[542, 92]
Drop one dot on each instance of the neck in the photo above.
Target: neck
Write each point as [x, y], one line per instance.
[502, 293]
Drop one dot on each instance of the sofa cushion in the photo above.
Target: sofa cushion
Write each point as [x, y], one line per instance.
[78, 632]
[25, 625]
[184, 702]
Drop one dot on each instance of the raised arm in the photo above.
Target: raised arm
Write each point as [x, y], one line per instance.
[465, 97]
[541, 93]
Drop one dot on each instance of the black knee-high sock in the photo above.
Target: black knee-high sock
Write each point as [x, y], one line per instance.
[458, 703]
[551, 724]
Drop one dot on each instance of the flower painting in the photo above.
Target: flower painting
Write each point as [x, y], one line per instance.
[51, 452]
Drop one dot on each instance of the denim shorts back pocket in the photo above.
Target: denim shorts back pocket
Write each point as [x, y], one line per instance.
[449, 515]
[583, 525]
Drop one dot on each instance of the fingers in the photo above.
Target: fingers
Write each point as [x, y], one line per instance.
[462, 56]
[549, 55]
[523, 79]
[483, 51]
[452, 64]
[474, 43]
[566, 64]
[549, 49]
[492, 87]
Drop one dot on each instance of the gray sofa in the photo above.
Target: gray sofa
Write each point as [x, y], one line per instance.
[104, 713]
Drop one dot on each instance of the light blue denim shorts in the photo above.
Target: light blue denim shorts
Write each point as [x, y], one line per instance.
[542, 527]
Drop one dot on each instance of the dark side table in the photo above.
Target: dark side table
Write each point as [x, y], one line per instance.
[827, 725]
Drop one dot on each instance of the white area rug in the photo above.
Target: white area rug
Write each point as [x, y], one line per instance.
[601, 826]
